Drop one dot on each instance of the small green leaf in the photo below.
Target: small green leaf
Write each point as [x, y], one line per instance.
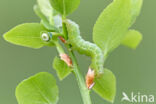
[51, 23]
[65, 7]
[27, 34]
[48, 26]
[45, 7]
[105, 85]
[38, 89]
[132, 39]
[40, 14]
[112, 24]
[135, 9]
[61, 68]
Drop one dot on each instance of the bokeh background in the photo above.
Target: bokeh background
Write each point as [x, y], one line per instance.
[135, 70]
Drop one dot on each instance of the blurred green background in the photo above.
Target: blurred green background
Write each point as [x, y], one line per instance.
[135, 70]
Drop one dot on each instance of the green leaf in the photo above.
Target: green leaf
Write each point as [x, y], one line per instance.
[38, 89]
[132, 39]
[61, 68]
[135, 9]
[45, 7]
[65, 7]
[27, 35]
[40, 14]
[48, 26]
[52, 23]
[105, 85]
[112, 24]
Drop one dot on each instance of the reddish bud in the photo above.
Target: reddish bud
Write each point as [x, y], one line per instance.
[62, 39]
[66, 59]
[90, 78]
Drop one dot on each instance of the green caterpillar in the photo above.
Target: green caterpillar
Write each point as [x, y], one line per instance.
[85, 47]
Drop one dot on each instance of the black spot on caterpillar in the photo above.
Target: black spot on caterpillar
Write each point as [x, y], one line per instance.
[85, 47]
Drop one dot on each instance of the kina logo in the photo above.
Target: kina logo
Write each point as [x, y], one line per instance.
[137, 98]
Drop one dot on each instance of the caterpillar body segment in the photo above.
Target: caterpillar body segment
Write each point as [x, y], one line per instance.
[85, 47]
